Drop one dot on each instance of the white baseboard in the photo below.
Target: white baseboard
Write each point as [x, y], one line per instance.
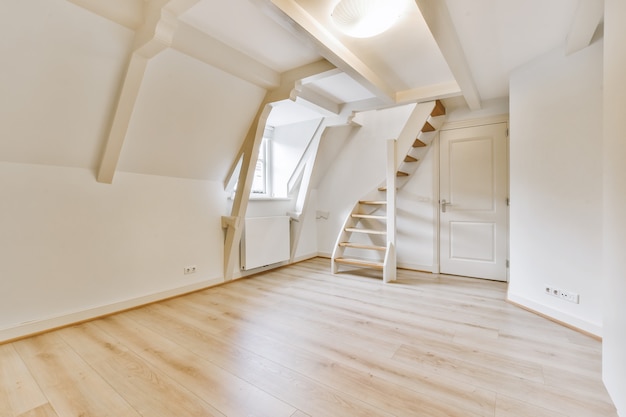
[251, 272]
[415, 267]
[573, 322]
[305, 257]
[40, 326]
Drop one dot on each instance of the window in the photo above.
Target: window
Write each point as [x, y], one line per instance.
[260, 182]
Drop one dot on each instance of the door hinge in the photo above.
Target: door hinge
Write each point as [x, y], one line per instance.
[508, 264]
[508, 201]
[507, 132]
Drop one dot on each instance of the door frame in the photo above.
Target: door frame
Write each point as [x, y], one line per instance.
[462, 124]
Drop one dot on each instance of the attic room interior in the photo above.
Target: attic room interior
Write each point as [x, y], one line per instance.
[296, 219]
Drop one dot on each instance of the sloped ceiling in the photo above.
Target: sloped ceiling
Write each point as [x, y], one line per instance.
[57, 89]
[500, 35]
[211, 62]
[189, 119]
[244, 27]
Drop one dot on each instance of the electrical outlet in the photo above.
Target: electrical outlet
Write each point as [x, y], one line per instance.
[189, 269]
[572, 297]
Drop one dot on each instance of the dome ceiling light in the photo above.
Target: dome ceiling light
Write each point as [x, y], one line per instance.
[366, 18]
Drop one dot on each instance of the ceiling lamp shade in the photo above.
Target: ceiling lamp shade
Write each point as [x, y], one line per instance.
[366, 18]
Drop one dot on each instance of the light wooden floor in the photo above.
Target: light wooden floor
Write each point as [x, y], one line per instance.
[301, 342]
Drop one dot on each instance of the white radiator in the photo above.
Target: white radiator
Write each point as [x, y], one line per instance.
[265, 241]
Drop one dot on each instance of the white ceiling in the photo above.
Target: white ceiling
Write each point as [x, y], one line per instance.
[496, 36]
[242, 25]
[500, 35]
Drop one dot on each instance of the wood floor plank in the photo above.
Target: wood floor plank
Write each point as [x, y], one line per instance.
[150, 390]
[228, 393]
[436, 388]
[43, 411]
[296, 389]
[384, 394]
[500, 381]
[300, 414]
[509, 407]
[299, 341]
[19, 392]
[346, 327]
[72, 386]
[295, 330]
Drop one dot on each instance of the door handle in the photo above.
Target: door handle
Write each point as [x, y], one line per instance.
[444, 204]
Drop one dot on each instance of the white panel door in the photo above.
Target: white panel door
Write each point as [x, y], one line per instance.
[473, 202]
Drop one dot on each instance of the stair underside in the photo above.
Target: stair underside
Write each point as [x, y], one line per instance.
[439, 109]
[428, 128]
[360, 262]
[418, 144]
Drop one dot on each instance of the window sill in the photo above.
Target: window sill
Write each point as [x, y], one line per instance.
[232, 197]
[269, 198]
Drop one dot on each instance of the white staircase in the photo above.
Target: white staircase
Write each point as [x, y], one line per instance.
[367, 237]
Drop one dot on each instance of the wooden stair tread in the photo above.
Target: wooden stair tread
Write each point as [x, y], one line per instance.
[368, 216]
[360, 262]
[367, 231]
[362, 246]
[373, 202]
[439, 109]
[428, 127]
[402, 174]
[410, 158]
[418, 143]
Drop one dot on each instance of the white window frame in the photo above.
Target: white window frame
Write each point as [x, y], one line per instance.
[263, 173]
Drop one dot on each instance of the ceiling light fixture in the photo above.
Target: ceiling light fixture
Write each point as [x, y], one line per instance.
[366, 18]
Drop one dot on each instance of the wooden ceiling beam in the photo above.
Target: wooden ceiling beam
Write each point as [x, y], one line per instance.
[437, 17]
[335, 51]
[197, 44]
[152, 37]
[428, 93]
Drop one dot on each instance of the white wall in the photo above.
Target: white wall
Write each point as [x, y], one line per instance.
[614, 273]
[71, 248]
[416, 217]
[556, 185]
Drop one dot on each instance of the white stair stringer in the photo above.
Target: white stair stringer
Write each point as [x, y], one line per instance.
[415, 139]
[364, 232]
